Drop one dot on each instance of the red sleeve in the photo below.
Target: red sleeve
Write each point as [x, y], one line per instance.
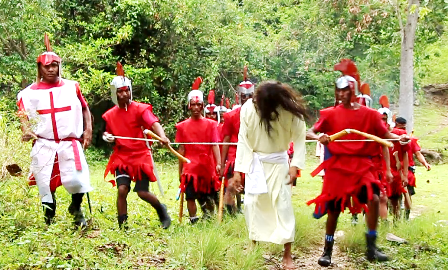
[227, 127]
[149, 118]
[179, 137]
[80, 96]
[415, 147]
[321, 124]
[20, 105]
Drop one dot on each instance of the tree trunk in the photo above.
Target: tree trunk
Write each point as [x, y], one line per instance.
[406, 100]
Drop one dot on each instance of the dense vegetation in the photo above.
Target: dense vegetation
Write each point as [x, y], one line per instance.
[165, 45]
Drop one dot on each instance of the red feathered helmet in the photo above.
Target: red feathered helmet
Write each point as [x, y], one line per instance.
[350, 77]
[196, 94]
[47, 58]
[364, 97]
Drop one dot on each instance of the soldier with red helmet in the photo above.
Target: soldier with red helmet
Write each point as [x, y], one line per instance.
[350, 179]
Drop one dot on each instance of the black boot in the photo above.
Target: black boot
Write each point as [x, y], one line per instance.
[325, 259]
[407, 213]
[164, 217]
[49, 212]
[230, 209]
[193, 220]
[75, 210]
[122, 219]
[372, 253]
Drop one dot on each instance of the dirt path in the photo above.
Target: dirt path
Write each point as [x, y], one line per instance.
[308, 260]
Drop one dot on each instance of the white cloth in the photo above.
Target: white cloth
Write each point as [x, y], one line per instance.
[269, 216]
[56, 113]
[255, 181]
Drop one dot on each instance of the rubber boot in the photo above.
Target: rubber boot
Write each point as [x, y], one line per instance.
[230, 210]
[164, 217]
[407, 213]
[193, 220]
[75, 210]
[49, 212]
[325, 259]
[122, 219]
[372, 253]
[354, 219]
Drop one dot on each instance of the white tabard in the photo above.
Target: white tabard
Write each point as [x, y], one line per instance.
[55, 115]
[270, 216]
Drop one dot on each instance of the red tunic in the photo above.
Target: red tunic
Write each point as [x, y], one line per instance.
[350, 167]
[414, 148]
[397, 185]
[202, 169]
[132, 156]
[231, 128]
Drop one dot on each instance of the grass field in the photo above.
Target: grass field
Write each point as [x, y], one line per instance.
[29, 244]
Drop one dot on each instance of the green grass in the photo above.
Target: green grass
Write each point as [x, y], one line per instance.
[29, 244]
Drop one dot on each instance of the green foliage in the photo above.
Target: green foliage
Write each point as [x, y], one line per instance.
[165, 45]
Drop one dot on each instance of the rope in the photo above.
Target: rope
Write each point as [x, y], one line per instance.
[222, 143]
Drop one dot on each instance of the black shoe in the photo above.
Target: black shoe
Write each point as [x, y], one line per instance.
[325, 259]
[354, 219]
[164, 217]
[79, 220]
[407, 213]
[230, 210]
[193, 220]
[49, 212]
[122, 221]
[373, 253]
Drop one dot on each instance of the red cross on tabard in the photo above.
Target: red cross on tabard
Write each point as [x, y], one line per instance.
[53, 112]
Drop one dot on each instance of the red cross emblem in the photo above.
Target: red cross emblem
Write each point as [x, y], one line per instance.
[53, 112]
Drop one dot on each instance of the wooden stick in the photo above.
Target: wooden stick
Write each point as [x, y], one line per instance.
[221, 200]
[181, 207]
[179, 156]
[366, 135]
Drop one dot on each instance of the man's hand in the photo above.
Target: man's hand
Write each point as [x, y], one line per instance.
[108, 137]
[235, 182]
[428, 166]
[389, 176]
[221, 174]
[87, 137]
[324, 139]
[164, 140]
[218, 169]
[29, 135]
[404, 139]
[292, 174]
[404, 180]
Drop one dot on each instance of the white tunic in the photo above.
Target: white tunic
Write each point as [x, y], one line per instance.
[270, 216]
[55, 115]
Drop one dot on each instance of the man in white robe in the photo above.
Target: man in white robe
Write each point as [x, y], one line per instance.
[262, 156]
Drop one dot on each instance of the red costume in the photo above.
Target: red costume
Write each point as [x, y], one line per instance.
[201, 170]
[231, 128]
[397, 185]
[350, 167]
[413, 148]
[132, 156]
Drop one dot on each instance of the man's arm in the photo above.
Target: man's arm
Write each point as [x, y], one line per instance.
[422, 160]
[217, 158]
[386, 156]
[405, 168]
[158, 129]
[87, 135]
[225, 151]
[322, 138]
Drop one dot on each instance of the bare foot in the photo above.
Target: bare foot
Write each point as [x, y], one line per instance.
[288, 263]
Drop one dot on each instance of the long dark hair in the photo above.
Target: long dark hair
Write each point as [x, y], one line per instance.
[270, 95]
